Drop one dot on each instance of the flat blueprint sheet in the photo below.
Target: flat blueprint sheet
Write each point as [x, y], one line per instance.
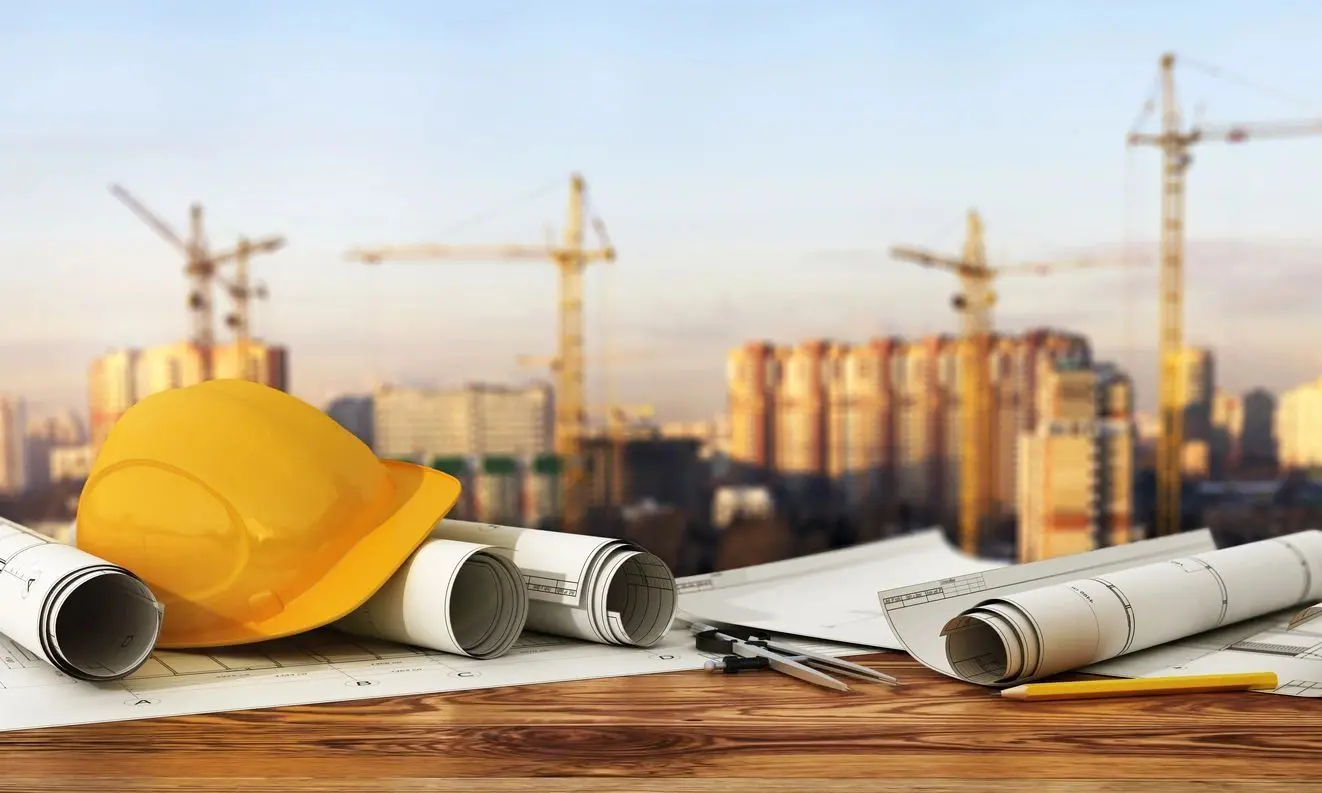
[1265, 644]
[322, 666]
[831, 596]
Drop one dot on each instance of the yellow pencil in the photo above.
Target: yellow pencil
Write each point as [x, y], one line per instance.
[1142, 686]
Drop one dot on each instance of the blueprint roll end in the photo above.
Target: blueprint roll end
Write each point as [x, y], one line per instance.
[452, 596]
[103, 625]
[488, 605]
[641, 600]
[978, 649]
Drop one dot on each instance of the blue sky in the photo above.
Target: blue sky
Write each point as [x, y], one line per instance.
[729, 146]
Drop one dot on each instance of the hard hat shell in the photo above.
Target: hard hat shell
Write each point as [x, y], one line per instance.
[251, 514]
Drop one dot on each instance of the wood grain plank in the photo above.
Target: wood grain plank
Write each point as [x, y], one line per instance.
[662, 728]
[638, 785]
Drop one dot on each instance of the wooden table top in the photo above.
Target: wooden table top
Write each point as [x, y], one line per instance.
[697, 731]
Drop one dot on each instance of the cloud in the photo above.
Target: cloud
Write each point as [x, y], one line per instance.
[719, 319]
[1239, 278]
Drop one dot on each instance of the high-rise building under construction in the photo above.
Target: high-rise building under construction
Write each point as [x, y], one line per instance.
[872, 429]
[476, 420]
[118, 379]
[112, 387]
[1299, 427]
[1076, 467]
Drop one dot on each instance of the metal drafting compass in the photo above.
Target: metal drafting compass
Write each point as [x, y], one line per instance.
[762, 652]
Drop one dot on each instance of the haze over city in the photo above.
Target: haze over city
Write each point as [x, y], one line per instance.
[729, 150]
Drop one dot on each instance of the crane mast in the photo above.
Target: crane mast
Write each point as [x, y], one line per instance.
[1174, 143]
[1170, 345]
[200, 271]
[975, 305]
[242, 292]
[570, 396]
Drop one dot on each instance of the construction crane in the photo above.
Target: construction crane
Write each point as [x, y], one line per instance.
[975, 303]
[617, 416]
[1175, 143]
[242, 292]
[200, 267]
[571, 258]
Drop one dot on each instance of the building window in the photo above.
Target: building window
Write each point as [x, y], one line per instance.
[916, 376]
[944, 365]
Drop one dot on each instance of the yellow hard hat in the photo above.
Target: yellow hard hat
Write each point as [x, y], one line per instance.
[251, 514]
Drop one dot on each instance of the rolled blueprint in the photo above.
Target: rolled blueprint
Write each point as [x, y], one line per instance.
[594, 588]
[456, 597]
[90, 619]
[1053, 629]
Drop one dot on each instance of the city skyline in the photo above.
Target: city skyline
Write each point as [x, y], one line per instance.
[725, 223]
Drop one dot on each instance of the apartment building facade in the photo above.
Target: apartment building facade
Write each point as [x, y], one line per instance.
[477, 420]
[1076, 467]
[120, 378]
[875, 427]
[1299, 426]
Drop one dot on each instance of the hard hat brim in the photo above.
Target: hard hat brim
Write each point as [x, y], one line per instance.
[423, 497]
